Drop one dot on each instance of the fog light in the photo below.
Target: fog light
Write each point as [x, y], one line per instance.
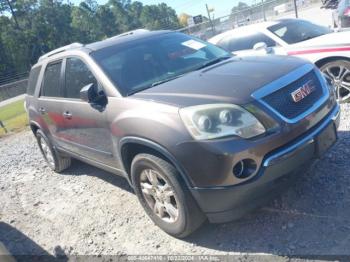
[244, 168]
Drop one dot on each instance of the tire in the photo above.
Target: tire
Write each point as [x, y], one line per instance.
[189, 216]
[55, 161]
[332, 71]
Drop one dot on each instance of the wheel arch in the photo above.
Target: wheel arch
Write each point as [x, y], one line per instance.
[129, 147]
[325, 60]
[34, 126]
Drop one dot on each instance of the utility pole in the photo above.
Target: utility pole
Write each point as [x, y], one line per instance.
[295, 8]
[210, 21]
[263, 9]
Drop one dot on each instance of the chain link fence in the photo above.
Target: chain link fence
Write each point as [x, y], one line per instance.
[258, 12]
[13, 89]
[13, 85]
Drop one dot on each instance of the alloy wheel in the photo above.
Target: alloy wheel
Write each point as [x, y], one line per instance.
[339, 76]
[47, 152]
[159, 195]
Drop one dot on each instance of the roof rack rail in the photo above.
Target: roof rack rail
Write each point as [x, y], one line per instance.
[61, 49]
[136, 31]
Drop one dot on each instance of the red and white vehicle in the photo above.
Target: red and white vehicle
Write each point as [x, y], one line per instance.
[329, 50]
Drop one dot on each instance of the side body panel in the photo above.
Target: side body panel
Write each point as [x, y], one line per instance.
[86, 132]
[145, 120]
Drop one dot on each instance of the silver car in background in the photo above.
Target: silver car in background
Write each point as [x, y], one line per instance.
[341, 15]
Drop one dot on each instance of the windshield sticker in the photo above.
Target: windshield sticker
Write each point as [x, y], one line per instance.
[194, 44]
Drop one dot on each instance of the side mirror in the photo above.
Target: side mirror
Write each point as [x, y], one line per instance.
[97, 99]
[88, 93]
[261, 46]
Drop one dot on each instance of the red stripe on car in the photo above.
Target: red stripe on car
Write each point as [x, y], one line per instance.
[322, 50]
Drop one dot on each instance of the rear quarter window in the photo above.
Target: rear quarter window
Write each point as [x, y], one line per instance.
[32, 80]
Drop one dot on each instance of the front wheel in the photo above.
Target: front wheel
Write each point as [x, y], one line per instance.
[164, 197]
[338, 73]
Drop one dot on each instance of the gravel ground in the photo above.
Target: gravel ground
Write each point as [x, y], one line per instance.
[89, 211]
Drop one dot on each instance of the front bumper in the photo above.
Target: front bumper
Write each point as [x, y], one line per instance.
[278, 169]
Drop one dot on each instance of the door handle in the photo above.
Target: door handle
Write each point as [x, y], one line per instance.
[42, 110]
[67, 115]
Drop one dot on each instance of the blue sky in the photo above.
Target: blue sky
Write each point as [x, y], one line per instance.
[192, 7]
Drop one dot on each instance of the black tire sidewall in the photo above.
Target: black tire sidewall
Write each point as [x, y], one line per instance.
[40, 135]
[179, 226]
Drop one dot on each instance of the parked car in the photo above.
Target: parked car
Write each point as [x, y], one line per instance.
[328, 50]
[341, 15]
[283, 8]
[329, 4]
[197, 132]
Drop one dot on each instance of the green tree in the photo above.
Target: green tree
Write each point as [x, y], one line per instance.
[30, 28]
[159, 16]
[106, 22]
[134, 13]
[84, 21]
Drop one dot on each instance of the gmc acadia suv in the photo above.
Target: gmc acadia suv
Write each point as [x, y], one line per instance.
[198, 133]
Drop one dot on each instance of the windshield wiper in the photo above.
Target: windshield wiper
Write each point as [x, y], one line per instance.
[213, 62]
[209, 63]
[154, 84]
[164, 80]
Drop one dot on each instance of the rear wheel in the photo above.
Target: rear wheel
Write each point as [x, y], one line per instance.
[164, 197]
[338, 73]
[53, 159]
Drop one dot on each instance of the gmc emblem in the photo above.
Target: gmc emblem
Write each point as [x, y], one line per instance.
[303, 91]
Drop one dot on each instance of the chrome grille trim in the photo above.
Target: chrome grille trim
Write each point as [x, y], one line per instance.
[287, 80]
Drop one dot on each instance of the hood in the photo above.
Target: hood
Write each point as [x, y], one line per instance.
[231, 81]
[328, 40]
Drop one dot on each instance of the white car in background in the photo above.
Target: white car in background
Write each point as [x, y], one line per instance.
[329, 50]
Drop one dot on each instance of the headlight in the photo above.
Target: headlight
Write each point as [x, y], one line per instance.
[220, 120]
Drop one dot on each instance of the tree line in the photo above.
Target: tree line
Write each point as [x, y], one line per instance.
[30, 28]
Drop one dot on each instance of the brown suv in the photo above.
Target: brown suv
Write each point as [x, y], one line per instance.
[197, 132]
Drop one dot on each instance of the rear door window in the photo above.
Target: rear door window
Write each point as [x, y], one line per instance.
[32, 80]
[77, 75]
[51, 82]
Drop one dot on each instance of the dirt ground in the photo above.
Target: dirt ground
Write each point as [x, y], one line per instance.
[88, 211]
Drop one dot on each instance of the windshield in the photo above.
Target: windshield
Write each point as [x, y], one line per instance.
[296, 31]
[143, 63]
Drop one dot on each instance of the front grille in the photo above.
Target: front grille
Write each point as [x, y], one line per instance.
[282, 100]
